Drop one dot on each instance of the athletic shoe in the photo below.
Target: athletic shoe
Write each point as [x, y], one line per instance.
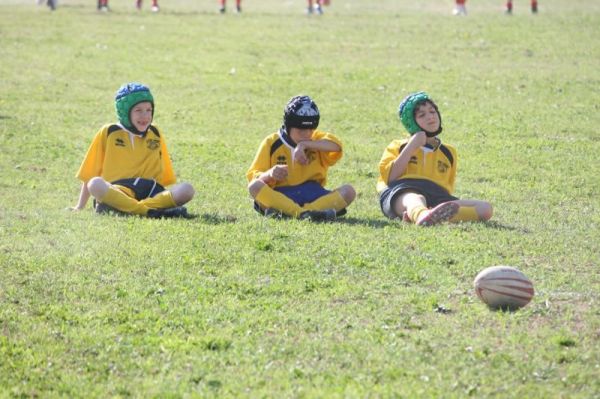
[52, 4]
[273, 213]
[326, 215]
[222, 10]
[155, 9]
[238, 9]
[309, 11]
[103, 209]
[176, 212]
[441, 213]
[534, 9]
[318, 9]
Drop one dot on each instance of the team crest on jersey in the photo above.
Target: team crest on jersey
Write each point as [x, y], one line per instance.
[442, 167]
[153, 144]
[413, 160]
[120, 143]
[281, 160]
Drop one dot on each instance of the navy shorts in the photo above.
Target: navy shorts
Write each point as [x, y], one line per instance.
[142, 188]
[433, 193]
[301, 194]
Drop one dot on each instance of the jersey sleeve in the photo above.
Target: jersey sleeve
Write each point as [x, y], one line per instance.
[167, 176]
[94, 158]
[329, 158]
[389, 156]
[261, 162]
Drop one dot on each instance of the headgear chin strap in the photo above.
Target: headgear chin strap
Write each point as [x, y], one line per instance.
[406, 112]
[301, 112]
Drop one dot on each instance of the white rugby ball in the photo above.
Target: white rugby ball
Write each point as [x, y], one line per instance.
[503, 287]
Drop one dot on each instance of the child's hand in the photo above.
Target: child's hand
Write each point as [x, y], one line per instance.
[299, 154]
[419, 139]
[279, 172]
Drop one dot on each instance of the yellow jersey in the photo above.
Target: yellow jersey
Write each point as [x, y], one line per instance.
[276, 149]
[116, 153]
[438, 166]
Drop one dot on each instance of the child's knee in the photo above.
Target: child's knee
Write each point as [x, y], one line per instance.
[486, 211]
[348, 193]
[184, 193]
[97, 187]
[254, 187]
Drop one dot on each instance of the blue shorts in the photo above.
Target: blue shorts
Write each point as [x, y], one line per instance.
[433, 193]
[301, 194]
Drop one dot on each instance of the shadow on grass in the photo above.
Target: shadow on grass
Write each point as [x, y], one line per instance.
[212, 218]
[377, 223]
[499, 226]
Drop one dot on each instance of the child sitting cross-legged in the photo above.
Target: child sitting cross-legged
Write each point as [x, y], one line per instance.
[289, 172]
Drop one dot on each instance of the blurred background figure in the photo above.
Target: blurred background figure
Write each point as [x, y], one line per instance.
[155, 7]
[223, 8]
[103, 5]
[460, 8]
[316, 8]
[50, 3]
[509, 7]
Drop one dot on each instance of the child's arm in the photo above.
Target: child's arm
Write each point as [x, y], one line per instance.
[84, 195]
[399, 165]
[299, 154]
[275, 174]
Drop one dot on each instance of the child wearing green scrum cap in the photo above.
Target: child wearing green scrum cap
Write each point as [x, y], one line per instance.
[417, 174]
[127, 166]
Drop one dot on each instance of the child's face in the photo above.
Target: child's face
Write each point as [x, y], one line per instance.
[427, 117]
[141, 115]
[299, 135]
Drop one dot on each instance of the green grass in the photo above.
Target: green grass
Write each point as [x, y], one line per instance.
[232, 305]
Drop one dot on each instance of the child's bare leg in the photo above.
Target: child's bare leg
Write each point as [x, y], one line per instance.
[416, 209]
[411, 203]
[473, 210]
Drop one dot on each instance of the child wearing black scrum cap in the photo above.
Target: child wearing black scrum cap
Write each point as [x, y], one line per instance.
[417, 174]
[127, 166]
[289, 172]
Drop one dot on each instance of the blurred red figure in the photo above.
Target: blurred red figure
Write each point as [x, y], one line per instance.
[460, 8]
[238, 6]
[103, 5]
[534, 6]
[155, 7]
[317, 8]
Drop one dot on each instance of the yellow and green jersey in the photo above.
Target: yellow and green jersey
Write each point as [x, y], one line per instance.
[438, 166]
[276, 149]
[116, 153]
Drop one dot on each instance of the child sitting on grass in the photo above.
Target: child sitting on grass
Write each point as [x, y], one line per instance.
[127, 165]
[417, 174]
[289, 171]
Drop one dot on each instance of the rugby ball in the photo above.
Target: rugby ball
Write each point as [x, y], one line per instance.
[503, 287]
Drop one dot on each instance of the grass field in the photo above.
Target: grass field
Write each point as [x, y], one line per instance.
[232, 305]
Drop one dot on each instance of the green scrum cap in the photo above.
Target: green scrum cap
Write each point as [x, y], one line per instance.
[406, 112]
[127, 97]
